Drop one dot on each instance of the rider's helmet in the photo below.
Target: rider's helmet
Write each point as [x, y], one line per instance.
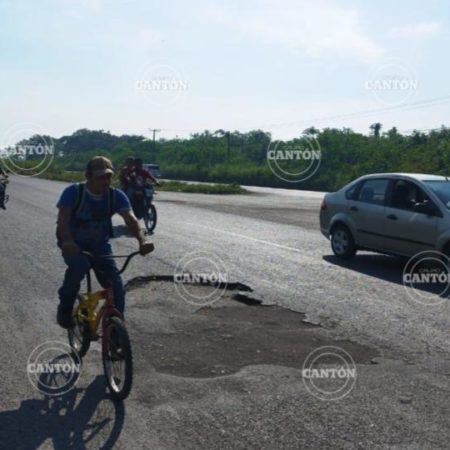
[138, 162]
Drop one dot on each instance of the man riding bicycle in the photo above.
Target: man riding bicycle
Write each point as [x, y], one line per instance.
[2, 188]
[84, 223]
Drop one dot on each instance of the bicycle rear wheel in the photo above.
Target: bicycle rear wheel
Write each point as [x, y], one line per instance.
[79, 335]
[117, 359]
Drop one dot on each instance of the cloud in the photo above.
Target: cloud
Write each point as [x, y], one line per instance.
[149, 37]
[317, 29]
[421, 30]
[73, 7]
[94, 5]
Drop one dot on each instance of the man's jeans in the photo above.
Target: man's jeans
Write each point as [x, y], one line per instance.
[105, 270]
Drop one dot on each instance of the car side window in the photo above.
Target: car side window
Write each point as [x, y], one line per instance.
[406, 194]
[373, 191]
[352, 191]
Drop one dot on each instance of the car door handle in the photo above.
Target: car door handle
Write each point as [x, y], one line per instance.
[354, 208]
[392, 217]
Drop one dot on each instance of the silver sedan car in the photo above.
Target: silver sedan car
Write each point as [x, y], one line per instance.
[394, 213]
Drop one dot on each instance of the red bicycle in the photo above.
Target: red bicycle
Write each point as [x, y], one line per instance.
[117, 355]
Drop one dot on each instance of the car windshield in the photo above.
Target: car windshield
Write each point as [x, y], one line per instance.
[441, 188]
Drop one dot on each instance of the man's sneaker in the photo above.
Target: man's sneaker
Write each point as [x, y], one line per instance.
[64, 317]
[3, 206]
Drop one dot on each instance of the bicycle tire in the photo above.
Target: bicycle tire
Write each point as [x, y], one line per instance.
[115, 324]
[150, 218]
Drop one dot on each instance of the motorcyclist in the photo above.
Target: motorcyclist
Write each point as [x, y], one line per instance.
[3, 176]
[124, 175]
[140, 177]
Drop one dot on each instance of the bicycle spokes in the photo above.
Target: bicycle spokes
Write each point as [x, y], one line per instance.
[117, 358]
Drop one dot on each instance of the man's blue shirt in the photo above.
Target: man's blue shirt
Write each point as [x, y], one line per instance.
[91, 225]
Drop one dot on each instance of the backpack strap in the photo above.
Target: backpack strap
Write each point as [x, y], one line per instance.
[111, 208]
[112, 201]
[81, 195]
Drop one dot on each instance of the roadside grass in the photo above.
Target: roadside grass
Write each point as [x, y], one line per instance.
[220, 189]
[60, 175]
[168, 186]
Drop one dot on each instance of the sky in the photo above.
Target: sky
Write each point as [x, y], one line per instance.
[183, 66]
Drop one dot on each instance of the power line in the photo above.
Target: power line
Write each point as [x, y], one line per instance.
[359, 114]
[403, 107]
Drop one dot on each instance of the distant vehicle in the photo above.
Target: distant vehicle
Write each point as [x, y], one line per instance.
[394, 213]
[153, 169]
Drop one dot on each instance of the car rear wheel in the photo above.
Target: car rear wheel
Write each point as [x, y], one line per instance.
[342, 242]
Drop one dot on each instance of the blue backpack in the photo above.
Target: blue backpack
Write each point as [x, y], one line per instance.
[81, 196]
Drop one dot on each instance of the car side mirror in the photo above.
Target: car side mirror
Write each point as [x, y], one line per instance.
[425, 208]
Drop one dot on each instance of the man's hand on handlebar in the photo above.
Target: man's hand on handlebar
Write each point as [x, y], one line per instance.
[145, 248]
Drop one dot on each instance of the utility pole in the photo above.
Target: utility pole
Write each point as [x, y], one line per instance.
[154, 130]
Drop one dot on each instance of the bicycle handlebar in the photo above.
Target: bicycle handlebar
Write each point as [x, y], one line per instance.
[125, 264]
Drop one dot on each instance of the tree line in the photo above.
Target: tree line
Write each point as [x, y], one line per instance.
[235, 157]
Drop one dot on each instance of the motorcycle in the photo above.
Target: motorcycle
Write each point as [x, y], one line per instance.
[143, 207]
[3, 196]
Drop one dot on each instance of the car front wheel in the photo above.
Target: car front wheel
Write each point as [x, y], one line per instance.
[342, 242]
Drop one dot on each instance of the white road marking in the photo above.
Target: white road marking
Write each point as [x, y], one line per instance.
[261, 241]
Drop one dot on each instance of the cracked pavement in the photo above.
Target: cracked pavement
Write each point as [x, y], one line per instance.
[225, 374]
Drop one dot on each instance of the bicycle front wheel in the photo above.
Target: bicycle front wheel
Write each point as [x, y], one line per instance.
[117, 359]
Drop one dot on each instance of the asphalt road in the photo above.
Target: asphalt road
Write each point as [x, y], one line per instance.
[212, 372]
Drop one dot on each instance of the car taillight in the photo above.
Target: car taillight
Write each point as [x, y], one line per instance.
[323, 206]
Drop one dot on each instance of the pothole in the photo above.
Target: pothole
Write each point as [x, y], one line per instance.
[138, 282]
[223, 338]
